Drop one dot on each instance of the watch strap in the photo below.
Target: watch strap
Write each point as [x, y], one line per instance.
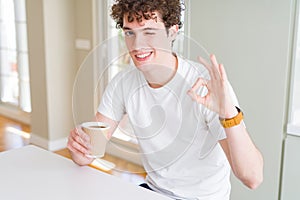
[234, 121]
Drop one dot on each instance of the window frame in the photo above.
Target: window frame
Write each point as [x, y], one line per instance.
[292, 127]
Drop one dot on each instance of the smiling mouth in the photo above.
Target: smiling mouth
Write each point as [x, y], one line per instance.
[143, 56]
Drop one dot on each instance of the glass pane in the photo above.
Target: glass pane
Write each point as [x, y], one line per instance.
[20, 10]
[295, 118]
[23, 67]
[9, 77]
[22, 37]
[1, 9]
[1, 35]
[295, 84]
[24, 82]
[4, 41]
[25, 103]
[8, 29]
[8, 61]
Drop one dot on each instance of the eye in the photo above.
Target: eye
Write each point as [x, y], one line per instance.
[150, 33]
[129, 33]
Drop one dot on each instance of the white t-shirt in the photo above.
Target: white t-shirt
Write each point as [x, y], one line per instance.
[178, 138]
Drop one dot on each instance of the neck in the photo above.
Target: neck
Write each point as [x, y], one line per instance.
[161, 74]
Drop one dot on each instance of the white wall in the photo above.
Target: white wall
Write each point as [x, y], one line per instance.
[59, 27]
[36, 50]
[252, 39]
[53, 27]
[51, 35]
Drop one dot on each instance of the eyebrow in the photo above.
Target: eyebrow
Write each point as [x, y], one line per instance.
[144, 29]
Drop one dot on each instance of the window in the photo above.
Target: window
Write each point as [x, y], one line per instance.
[294, 118]
[14, 68]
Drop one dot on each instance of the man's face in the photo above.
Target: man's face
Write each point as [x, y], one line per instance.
[147, 41]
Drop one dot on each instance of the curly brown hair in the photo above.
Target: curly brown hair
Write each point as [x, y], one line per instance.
[170, 11]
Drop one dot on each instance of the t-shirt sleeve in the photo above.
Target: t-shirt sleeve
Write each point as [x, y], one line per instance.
[112, 101]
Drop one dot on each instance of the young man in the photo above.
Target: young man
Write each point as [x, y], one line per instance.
[184, 114]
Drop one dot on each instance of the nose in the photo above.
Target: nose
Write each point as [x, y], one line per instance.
[138, 42]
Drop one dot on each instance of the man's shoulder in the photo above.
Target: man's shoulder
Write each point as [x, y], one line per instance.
[129, 73]
[192, 67]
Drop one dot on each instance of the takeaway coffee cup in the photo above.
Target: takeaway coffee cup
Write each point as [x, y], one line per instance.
[98, 132]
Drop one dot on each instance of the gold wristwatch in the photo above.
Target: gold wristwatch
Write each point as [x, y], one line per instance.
[236, 120]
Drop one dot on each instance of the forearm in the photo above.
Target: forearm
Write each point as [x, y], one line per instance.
[246, 160]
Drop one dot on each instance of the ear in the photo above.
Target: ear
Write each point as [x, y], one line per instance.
[173, 30]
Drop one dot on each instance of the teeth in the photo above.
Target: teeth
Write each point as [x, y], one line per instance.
[143, 55]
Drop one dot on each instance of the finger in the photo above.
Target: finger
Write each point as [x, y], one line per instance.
[203, 61]
[223, 72]
[75, 147]
[201, 100]
[197, 98]
[78, 151]
[215, 68]
[214, 61]
[199, 83]
[82, 134]
[76, 137]
[205, 64]
[193, 91]
[82, 142]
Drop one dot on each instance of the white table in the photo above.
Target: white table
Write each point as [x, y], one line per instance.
[31, 173]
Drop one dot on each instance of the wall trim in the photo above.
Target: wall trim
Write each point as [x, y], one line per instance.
[46, 144]
[15, 114]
